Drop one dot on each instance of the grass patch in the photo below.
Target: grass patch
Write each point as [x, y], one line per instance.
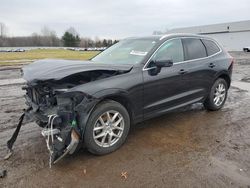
[21, 57]
[9, 63]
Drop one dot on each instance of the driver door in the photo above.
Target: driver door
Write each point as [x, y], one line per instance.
[164, 89]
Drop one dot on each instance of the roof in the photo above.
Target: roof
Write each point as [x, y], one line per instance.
[169, 35]
[229, 27]
[172, 35]
[150, 37]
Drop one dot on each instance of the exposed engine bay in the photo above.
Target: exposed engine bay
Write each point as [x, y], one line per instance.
[58, 103]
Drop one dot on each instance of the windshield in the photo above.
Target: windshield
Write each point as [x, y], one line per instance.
[128, 51]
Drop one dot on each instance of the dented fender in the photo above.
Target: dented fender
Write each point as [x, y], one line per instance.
[84, 110]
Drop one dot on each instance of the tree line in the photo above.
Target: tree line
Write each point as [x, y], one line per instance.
[49, 38]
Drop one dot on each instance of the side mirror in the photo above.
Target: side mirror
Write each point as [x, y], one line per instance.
[159, 64]
[164, 63]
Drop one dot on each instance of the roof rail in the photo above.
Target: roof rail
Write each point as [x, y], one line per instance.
[164, 36]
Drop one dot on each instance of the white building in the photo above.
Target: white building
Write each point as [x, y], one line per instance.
[233, 36]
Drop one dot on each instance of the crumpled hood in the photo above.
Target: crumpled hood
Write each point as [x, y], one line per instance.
[54, 69]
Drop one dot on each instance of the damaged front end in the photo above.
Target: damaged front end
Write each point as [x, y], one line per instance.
[57, 102]
[56, 112]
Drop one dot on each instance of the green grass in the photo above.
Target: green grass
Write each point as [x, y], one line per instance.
[9, 58]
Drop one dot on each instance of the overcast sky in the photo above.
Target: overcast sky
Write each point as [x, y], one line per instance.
[116, 18]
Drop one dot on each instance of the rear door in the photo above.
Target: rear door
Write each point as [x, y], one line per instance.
[198, 75]
[214, 61]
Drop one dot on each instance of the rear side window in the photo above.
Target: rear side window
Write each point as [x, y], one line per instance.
[194, 48]
[211, 47]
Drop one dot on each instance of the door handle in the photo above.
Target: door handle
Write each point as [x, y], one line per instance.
[211, 65]
[182, 71]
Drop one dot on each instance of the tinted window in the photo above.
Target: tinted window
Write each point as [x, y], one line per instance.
[212, 48]
[194, 48]
[170, 50]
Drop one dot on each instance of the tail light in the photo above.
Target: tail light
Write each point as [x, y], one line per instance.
[230, 68]
[232, 62]
[231, 59]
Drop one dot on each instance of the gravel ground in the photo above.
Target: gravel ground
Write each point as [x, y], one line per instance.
[190, 148]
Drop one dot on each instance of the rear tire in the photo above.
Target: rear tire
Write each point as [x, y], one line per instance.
[217, 96]
[107, 128]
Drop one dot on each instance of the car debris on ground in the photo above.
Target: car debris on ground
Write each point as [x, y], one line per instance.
[3, 173]
[124, 175]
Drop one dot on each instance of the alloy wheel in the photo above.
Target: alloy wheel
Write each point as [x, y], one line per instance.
[108, 128]
[219, 94]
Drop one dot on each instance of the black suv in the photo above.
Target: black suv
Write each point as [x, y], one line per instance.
[94, 102]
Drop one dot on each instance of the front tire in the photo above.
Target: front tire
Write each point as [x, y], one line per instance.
[107, 128]
[217, 96]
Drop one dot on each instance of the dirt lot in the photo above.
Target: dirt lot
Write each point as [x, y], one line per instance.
[191, 148]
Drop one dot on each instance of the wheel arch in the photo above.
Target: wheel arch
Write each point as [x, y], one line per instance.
[225, 76]
[88, 138]
[124, 101]
[120, 96]
[116, 95]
